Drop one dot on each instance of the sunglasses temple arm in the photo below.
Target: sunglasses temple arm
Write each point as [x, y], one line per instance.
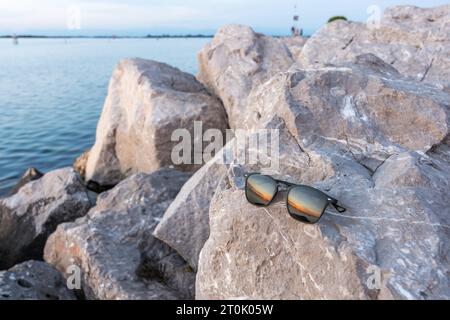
[339, 208]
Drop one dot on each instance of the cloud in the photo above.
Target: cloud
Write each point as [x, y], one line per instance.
[181, 15]
[120, 15]
[53, 14]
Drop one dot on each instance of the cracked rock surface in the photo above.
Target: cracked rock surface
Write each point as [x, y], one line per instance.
[147, 101]
[396, 228]
[415, 41]
[366, 135]
[28, 217]
[238, 60]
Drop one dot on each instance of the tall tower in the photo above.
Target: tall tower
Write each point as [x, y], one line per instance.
[296, 30]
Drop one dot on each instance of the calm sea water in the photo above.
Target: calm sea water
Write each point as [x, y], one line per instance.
[52, 92]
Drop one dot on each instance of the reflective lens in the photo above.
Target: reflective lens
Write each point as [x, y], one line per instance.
[260, 189]
[306, 204]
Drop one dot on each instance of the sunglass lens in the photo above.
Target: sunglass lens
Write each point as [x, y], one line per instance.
[306, 204]
[260, 189]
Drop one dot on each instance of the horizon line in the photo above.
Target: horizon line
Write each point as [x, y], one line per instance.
[107, 36]
[149, 36]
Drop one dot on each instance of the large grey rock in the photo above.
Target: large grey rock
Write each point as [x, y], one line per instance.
[295, 45]
[33, 213]
[396, 227]
[113, 244]
[33, 280]
[185, 224]
[366, 107]
[238, 60]
[416, 41]
[351, 131]
[146, 102]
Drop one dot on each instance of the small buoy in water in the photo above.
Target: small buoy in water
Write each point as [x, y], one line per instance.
[15, 39]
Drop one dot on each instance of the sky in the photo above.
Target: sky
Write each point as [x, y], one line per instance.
[142, 17]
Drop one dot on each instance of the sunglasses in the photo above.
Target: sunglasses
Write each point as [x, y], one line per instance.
[303, 203]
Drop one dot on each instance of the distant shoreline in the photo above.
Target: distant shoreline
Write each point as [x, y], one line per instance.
[150, 36]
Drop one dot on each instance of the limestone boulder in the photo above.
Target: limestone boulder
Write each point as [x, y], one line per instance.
[113, 244]
[351, 131]
[391, 243]
[28, 217]
[416, 41]
[185, 224]
[238, 60]
[366, 107]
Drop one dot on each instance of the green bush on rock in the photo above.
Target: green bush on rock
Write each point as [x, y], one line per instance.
[337, 18]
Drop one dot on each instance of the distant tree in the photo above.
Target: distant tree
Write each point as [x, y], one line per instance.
[337, 18]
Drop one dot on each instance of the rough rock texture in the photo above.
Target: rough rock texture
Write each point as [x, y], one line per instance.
[80, 163]
[185, 224]
[33, 280]
[33, 213]
[146, 102]
[114, 247]
[295, 45]
[352, 132]
[237, 60]
[414, 40]
[30, 175]
[360, 114]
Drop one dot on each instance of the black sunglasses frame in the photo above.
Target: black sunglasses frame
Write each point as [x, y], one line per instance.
[331, 201]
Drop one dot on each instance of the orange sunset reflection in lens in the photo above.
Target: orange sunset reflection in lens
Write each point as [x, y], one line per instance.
[303, 209]
[260, 193]
[261, 189]
[307, 201]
